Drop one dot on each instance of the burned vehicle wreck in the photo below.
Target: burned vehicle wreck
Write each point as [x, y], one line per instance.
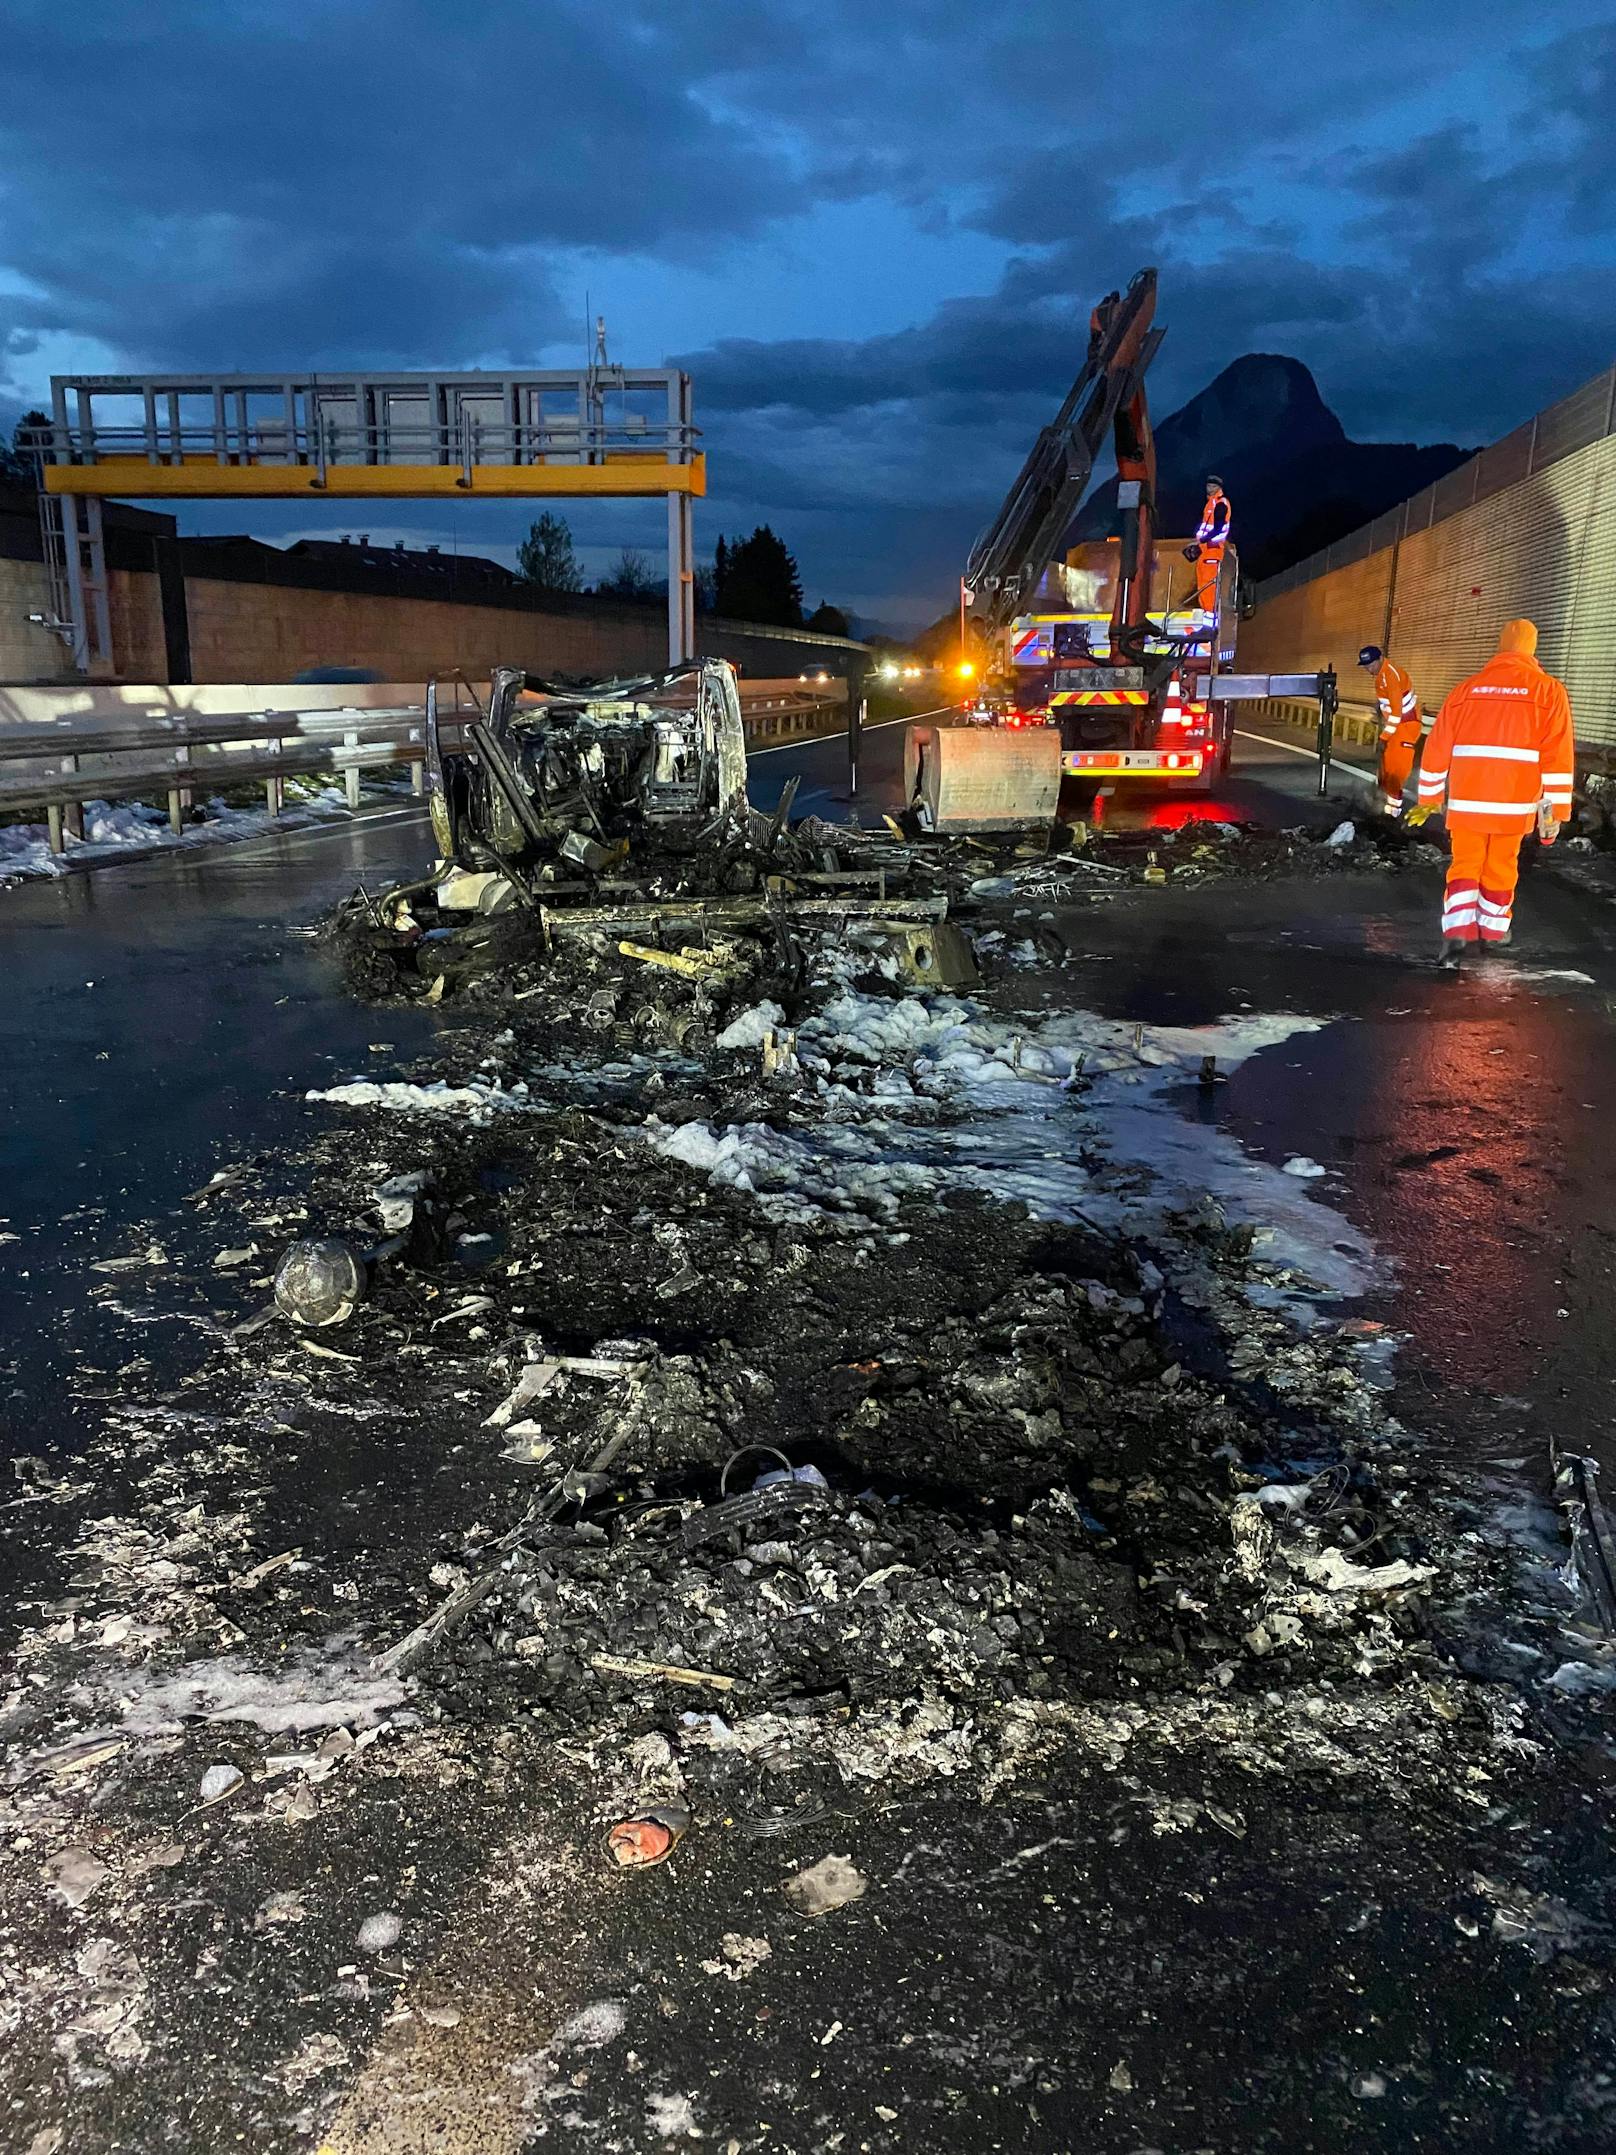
[550, 787]
[584, 834]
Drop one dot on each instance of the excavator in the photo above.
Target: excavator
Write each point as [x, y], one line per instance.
[1107, 656]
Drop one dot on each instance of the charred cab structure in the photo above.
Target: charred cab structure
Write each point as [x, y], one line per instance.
[550, 786]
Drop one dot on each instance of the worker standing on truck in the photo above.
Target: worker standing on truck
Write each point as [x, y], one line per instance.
[1502, 752]
[1211, 537]
[1399, 711]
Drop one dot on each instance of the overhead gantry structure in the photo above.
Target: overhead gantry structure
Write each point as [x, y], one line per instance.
[587, 433]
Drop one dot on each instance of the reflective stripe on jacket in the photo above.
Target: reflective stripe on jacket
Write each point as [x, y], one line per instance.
[1395, 699]
[1214, 524]
[1502, 742]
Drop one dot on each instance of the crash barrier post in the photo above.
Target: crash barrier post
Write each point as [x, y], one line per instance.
[1329, 704]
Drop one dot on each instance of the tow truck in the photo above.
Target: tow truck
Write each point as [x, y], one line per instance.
[1153, 719]
[1109, 641]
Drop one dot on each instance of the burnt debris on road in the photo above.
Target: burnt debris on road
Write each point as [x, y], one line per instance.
[806, 1555]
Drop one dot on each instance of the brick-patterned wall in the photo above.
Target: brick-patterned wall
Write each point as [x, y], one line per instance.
[137, 625]
[270, 632]
[27, 651]
[274, 632]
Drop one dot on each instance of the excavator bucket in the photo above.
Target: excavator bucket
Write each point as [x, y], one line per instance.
[972, 778]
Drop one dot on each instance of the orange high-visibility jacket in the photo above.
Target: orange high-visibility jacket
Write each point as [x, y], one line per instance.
[1216, 518]
[1501, 743]
[1395, 699]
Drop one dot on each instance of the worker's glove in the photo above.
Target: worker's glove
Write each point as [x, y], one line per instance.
[1418, 815]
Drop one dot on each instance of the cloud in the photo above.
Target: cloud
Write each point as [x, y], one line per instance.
[1416, 202]
[379, 178]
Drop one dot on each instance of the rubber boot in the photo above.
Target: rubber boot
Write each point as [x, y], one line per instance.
[1452, 953]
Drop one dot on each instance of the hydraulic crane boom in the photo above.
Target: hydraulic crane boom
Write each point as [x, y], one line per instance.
[1142, 697]
[1011, 555]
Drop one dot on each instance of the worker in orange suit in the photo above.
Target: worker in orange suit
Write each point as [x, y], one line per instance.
[1400, 725]
[1502, 754]
[1211, 537]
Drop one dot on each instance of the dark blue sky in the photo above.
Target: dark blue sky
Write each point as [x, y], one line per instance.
[872, 232]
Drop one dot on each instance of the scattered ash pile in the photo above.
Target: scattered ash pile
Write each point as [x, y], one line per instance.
[829, 1512]
[666, 954]
[750, 1388]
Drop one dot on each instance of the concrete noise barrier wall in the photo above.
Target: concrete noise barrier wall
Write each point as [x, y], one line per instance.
[1436, 593]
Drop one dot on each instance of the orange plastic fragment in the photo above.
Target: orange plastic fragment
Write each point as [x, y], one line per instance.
[639, 1841]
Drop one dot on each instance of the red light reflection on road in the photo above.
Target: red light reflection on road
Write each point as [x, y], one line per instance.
[1171, 815]
[1470, 1195]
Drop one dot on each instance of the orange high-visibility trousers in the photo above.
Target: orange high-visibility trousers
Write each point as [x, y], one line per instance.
[1398, 751]
[1207, 569]
[1478, 904]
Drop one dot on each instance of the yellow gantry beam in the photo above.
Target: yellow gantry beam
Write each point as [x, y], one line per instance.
[627, 476]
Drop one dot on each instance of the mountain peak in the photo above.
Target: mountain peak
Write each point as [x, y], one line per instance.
[1260, 401]
[1295, 478]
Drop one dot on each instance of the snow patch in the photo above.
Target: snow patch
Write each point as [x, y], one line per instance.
[926, 1091]
[478, 1100]
[114, 827]
[1531, 976]
[748, 1029]
[331, 1691]
[592, 2027]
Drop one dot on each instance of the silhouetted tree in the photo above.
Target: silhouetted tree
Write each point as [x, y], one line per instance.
[631, 580]
[828, 619]
[545, 557]
[756, 580]
[17, 463]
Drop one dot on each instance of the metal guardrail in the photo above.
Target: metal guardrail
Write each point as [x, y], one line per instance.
[177, 758]
[180, 757]
[1357, 723]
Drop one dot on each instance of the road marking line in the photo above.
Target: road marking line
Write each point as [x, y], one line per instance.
[1290, 748]
[779, 748]
[348, 825]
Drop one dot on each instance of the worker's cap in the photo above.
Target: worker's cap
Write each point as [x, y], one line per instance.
[1370, 655]
[1519, 636]
[1212, 479]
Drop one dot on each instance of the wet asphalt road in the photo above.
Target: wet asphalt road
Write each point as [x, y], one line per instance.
[821, 771]
[167, 1017]
[169, 1014]
[1273, 780]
